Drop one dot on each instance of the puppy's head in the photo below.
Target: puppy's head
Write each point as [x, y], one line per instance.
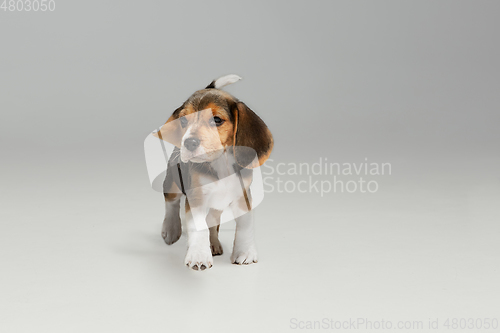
[212, 121]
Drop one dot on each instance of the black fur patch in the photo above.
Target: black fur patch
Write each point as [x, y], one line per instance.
[211, 85]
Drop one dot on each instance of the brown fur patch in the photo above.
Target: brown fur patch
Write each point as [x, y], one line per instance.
[253, 133]
[172, 196]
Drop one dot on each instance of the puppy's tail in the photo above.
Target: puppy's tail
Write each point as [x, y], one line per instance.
[223, 81]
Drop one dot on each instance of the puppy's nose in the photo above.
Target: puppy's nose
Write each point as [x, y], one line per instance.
[191, 143]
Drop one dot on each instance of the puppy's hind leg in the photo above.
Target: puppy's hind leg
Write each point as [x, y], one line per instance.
[213, 221]
[172, 229]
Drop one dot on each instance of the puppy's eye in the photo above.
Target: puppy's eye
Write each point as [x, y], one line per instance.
[216, 121]
[184, 121]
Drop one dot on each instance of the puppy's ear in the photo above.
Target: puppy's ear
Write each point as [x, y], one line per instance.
[251, 139]
[171, 131]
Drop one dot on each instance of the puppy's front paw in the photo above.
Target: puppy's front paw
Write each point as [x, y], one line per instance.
[199, 259]
[171, 236]
[244, 256]
[171, 230]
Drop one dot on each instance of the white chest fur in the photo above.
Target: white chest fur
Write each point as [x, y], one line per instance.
[224, 194]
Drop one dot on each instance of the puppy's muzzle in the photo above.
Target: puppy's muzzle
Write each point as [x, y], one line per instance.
[191, 143]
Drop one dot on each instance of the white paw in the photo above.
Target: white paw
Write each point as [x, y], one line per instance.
[244, 257]
[199, 259]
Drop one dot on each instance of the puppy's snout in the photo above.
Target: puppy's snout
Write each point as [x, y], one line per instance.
[191, 143]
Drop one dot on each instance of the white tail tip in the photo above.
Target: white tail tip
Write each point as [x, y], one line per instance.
[224, 81]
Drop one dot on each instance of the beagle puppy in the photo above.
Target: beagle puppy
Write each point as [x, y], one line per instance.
[216, 137]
